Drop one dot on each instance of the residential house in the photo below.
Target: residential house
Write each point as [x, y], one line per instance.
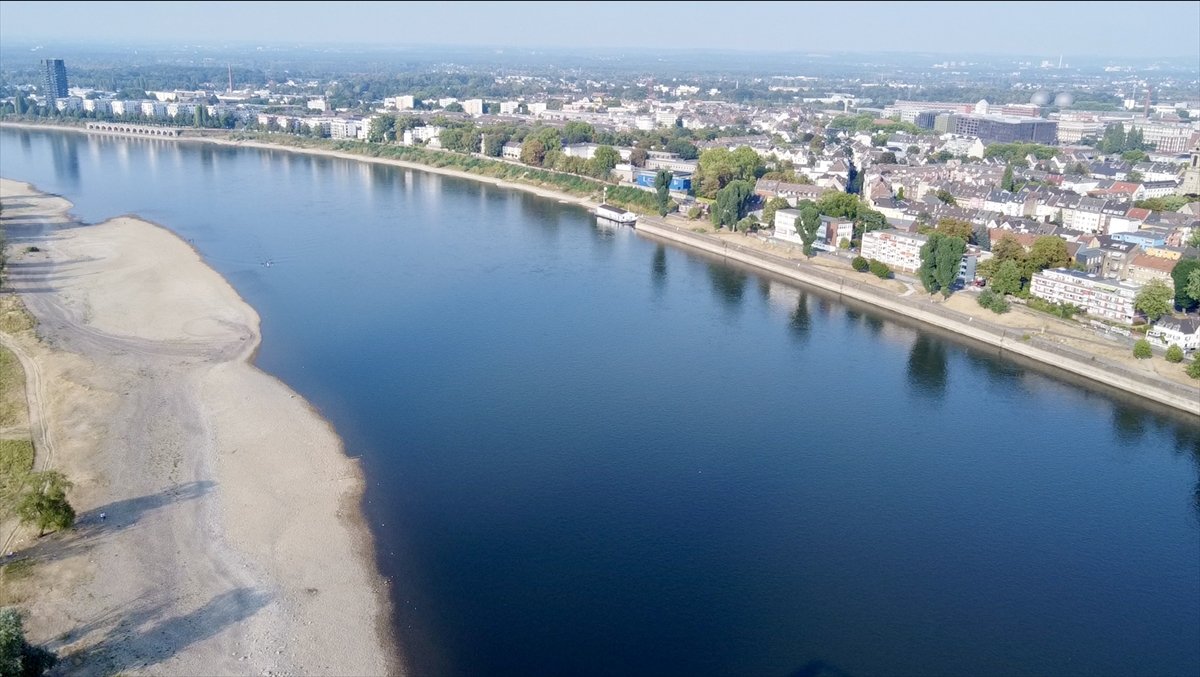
[1183, 332]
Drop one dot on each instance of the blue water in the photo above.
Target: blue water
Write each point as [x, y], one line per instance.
[587, 453]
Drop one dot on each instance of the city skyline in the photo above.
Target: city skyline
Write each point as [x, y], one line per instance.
[1047, 29]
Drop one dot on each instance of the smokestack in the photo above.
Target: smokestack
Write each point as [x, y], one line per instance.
[231, 78]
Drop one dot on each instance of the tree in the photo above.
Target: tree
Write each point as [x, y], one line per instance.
[945, 196]
[44, 502]
[1047, 251]
[606, 159]
[941, 258]
[454, 107]
[955, 228]
[731, 203]
[637, 158]
[868, 220]
[900, 193]
[533, 152]
[1174, 354]
[1007, 279]
[17, 656]
[1186, 276]
[1141, 349]
[860, 264]
[773, 205]
[839, 205]
[879, 269]
[887, 158]
[577, 132]
[1154, 299]
[382, 128]
[810, 221]
[662, 190]
[1008, 182]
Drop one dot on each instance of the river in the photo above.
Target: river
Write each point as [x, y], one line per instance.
[591, 454]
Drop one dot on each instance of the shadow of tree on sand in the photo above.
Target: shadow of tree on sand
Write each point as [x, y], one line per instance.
[143, 638]
[118, 516]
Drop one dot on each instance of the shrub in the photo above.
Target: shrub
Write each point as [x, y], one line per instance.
[880, 269]
[1193, 368]
[844, 244]
[1141, 349]
[1174, 354]
[860, 264]
[693, 213]
[993, 301]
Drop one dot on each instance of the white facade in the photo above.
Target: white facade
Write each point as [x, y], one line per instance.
[899, 250]
[509, 107]
[176, 109]
[537, 108]
[785, 225]
[153, 109]
[318, 104]
[1184, 333]
[473, 107]
[425, 133]
[1099, 297]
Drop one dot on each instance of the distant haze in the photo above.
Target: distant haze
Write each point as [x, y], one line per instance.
[1043, 29]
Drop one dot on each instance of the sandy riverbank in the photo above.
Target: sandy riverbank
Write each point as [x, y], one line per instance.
[232, 541]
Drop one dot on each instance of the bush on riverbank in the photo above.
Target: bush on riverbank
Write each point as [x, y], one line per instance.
[1065, 311]
[993, 301]
[1141, 349]
[860, 264]
[1174, 354]
[1193, 368]
[879, 269]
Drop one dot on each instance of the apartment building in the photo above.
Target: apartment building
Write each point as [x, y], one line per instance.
[1102, 298]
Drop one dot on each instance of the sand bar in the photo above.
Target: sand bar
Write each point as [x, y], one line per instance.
[232, 541]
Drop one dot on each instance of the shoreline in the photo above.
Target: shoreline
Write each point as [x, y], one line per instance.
[208, 560]
[1091, 367]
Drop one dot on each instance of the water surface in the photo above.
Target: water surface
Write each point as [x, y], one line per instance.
[587, 453]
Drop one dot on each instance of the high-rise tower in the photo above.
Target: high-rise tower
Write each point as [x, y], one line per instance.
[54, 79]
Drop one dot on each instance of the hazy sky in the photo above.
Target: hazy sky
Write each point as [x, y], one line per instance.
[1032, 28]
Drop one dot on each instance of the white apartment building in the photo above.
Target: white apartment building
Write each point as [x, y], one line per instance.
[176, 109]
[97, 105]
[1107, 299]
[473, 107]
[899, 250]
[1165, 138]
[425, 133]
[902, 251]
[318, 104]
[345, 129]
[537, 108]
[406, 102]
[509, 107]
[153, 109]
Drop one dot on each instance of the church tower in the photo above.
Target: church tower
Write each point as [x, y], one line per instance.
[1191, 175]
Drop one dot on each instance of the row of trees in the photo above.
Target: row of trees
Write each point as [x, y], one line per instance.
[1116, 140]
[1011, 268]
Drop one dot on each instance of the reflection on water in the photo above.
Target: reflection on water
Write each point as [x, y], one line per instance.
[729, 284]
[800, 321]
[658, 267]
[1128, 424]
[65, 155]
[927, 367]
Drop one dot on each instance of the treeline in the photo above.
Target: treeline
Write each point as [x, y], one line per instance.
[622, 196]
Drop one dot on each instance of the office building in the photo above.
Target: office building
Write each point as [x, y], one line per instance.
[54, 79]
